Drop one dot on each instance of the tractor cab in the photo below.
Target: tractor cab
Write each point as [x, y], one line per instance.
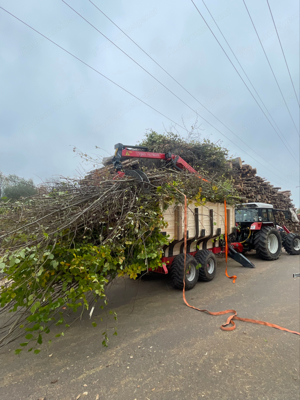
[256, 228]
[248, 213]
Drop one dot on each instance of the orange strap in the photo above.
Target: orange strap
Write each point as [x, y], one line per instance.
[230, 324]
[233, 277]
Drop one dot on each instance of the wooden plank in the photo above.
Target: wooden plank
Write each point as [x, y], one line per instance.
[178, 235]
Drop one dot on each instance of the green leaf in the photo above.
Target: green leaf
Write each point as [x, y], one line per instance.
[29, 336]
[24, 344]
[40, 340]
[36, 351]
[36, 305]
[54, 264]
[94, 324]
[2, 266]
[18, 351]
[12, 262]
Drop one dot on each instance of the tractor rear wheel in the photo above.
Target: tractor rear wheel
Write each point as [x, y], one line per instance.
[292, 243]
[208, 262]
[177, 272]
[267, 243]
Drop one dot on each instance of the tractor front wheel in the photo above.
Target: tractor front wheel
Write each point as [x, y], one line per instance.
[267, 243]
[292, 243]
[177, 272]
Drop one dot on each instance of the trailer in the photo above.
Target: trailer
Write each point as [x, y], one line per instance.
[204, 226]
[205, 239]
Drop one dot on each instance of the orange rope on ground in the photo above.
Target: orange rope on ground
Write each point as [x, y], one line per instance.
[230, 324]
[233, 277]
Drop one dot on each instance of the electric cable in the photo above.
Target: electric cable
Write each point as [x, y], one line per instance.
[270, 66]
[98, 72]
[157, 80]
[285, 60]
[242, 79]
[243, 69]
[104, 76]
[151, 58]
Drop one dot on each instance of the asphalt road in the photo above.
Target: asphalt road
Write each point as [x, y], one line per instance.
[164, 350]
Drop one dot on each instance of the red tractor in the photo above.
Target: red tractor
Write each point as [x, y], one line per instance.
[257, 229]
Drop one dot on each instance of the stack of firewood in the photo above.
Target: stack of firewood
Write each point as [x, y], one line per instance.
[253, 188]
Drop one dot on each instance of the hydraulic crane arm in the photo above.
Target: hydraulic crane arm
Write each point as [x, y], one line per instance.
[124, 151]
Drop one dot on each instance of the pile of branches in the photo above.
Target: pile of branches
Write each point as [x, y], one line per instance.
[203, 155]
[61, 247]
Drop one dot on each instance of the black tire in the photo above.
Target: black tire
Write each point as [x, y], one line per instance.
[283, 237]
[292, 244]
[208, 262]
[177, 271]
[267, 243]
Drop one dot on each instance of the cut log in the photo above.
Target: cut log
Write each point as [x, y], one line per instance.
[237, 162]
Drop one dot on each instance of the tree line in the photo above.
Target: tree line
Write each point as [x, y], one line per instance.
[14, 187]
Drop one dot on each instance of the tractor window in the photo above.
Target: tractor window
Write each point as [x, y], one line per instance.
[264, 214]
[271, 215]
[246, 215]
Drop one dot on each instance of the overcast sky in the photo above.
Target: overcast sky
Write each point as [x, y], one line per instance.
[50, 102]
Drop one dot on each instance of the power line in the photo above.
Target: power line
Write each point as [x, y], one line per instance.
[242, 78]
[98, 72]
[242, 68]
[283, 53]
[110, 80]
[271, 67]
[151, 58]
[157, 80]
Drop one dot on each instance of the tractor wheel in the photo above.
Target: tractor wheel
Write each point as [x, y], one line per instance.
[267, 243]
[177, 272]
[292, 243]
[283, 236]
[207, 270]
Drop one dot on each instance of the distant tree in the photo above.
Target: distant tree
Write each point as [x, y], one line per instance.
[13, 187]
[3, 180]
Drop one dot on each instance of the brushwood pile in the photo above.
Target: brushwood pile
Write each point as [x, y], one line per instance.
[62, 247]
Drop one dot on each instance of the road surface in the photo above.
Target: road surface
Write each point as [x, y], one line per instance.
[164, 350]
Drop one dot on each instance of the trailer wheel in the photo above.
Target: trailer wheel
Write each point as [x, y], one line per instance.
[177, 272]
[292, 244]
[267, 243]
[208, 262]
